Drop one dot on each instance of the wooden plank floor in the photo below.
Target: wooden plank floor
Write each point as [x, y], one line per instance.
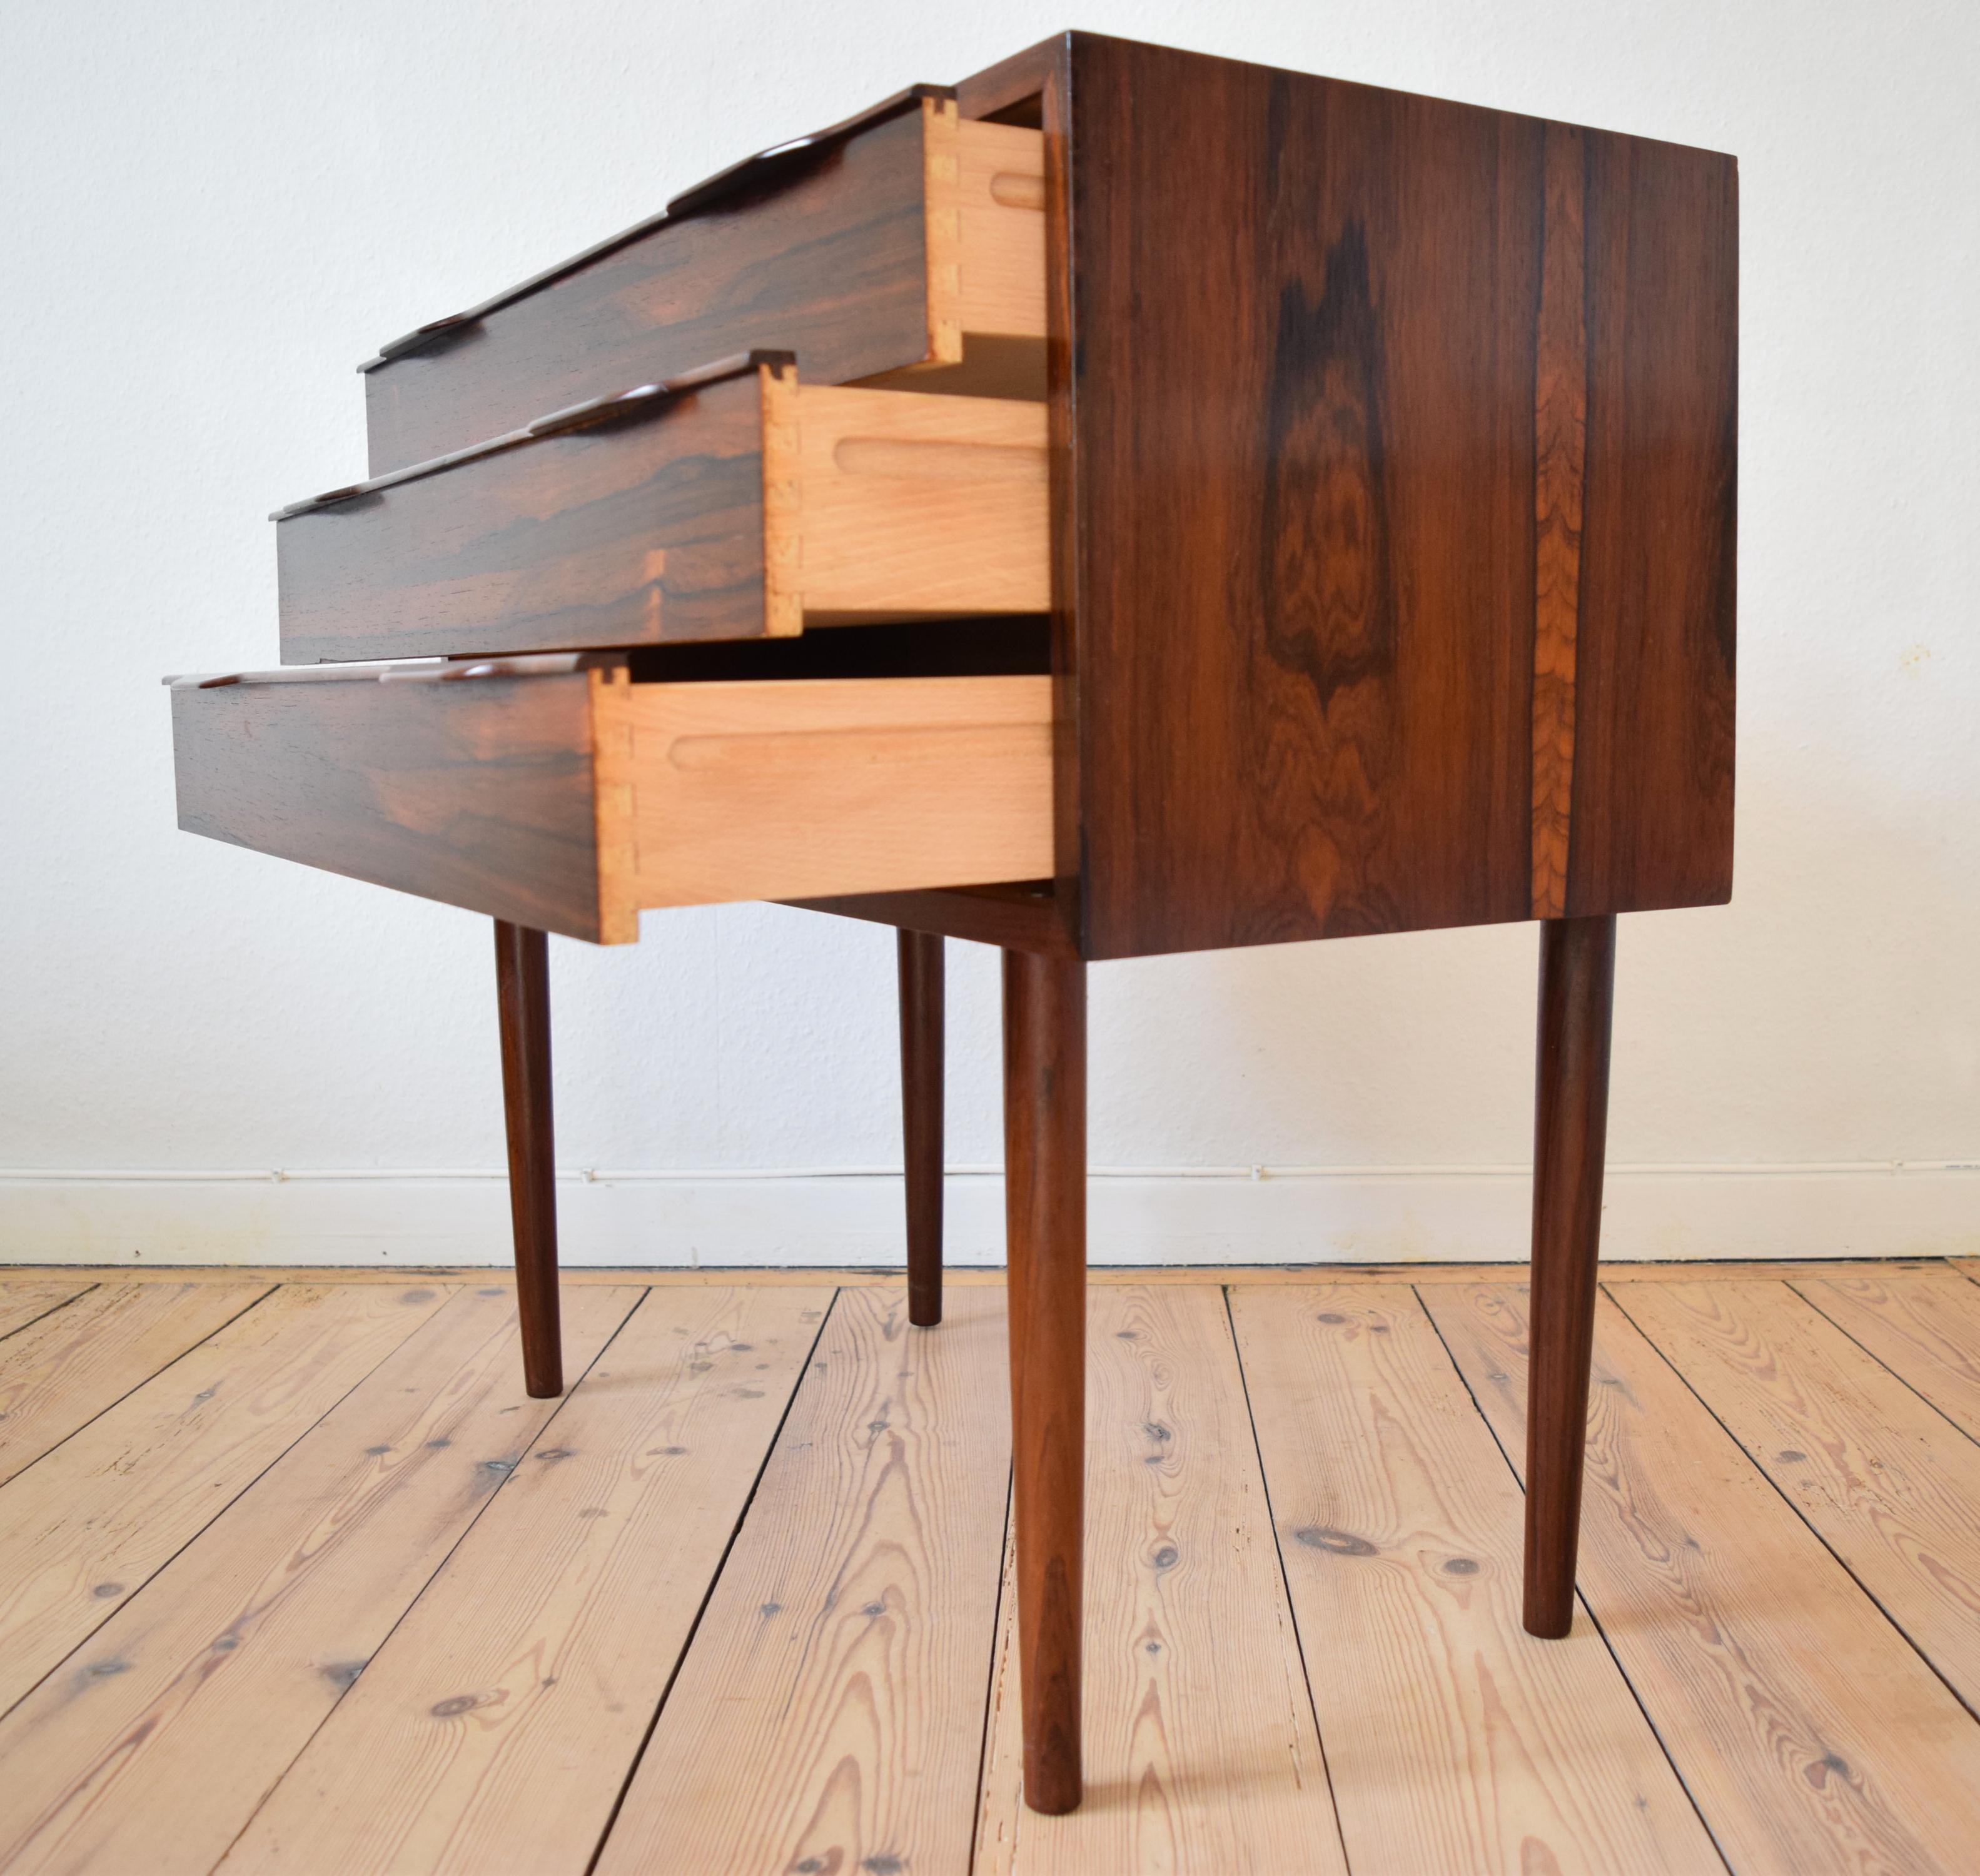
[294, 1577]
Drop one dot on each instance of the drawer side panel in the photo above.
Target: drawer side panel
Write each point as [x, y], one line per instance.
[476, 793]
[801, 789]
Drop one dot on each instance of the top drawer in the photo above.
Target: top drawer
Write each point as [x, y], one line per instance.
[887, 243]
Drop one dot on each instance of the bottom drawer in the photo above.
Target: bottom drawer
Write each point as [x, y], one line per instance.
[555, 792]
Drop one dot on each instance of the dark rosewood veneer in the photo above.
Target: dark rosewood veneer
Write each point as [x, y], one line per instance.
[1130, 502]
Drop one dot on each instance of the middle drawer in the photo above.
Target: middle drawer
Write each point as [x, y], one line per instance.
[733, 503]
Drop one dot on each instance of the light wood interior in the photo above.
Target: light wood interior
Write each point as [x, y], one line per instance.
[1000, 202]
[915, 505]
[294, 1577]
[783, 504]
[713, 792]
[985, 232]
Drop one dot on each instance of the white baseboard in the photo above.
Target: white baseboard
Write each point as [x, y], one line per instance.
[816, 1219]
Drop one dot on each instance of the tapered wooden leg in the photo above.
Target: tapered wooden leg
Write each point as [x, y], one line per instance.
[1570, 1130]
[1044, 1183]
[921, 962]
[522, 995]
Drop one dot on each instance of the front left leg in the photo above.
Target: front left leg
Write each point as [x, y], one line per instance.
[523, 998]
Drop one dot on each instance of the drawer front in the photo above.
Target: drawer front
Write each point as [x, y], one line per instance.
[886, 249]
[739, 509]
[569, 799]
[477, 793]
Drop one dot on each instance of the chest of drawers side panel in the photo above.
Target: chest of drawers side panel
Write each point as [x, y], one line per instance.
[1313, 531]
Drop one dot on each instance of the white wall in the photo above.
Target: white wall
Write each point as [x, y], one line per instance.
[214, 211]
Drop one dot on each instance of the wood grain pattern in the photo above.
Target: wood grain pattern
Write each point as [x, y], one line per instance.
[1923, 1325]
[1017, 916]
[642, 531]
[477, 794]
[1275, 1276]
[1655, 655]
[829, 263]
[534, 1638]
[494, 1728]
[1811, 1736]
[986, 237]
[62, 1372]
[1302, 504]
[1735, 1271]
[523, 1019]
[82, 1532]
[919, 979]
[839, 1675]
[1577, 989]
[1044, 1235]
[782, 790]
[1454, 1741]
[736, 510]
[23, 1304]
[1561, 419]
[152, 1748]
[1891, 1485]
[1193, 1669]
[915, 505]
[1000, 209]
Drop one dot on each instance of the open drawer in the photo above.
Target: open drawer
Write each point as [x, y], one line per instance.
[729, 503]
[556, 792]
[906, 237]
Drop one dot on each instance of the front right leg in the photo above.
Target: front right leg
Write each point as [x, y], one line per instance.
[1045, 1188]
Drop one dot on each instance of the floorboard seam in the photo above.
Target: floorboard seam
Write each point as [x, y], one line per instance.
[1285, 1581]
[253, 1302]
[412, 1601]
[165, 1563]
[1587, 1608]
[990, 1683]
[20, 1328]
[1739, 1446]
[707, 1595]
[1956, 1426]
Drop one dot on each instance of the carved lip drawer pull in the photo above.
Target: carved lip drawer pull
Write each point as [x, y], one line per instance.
[641, 399]
[766, 167]
[409, 670]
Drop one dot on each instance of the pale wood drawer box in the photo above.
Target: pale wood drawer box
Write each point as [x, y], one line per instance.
[555, 792]
[905, 239]
[731, 502]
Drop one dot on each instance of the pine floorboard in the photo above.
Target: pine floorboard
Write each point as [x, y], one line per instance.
[1201, 1752]
[829, 1713]
[1401, 1527]
[63, 1370]
[294, 1577]
[1809, 1733]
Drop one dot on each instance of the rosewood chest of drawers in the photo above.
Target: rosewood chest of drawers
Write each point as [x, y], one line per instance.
[1130, 502]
